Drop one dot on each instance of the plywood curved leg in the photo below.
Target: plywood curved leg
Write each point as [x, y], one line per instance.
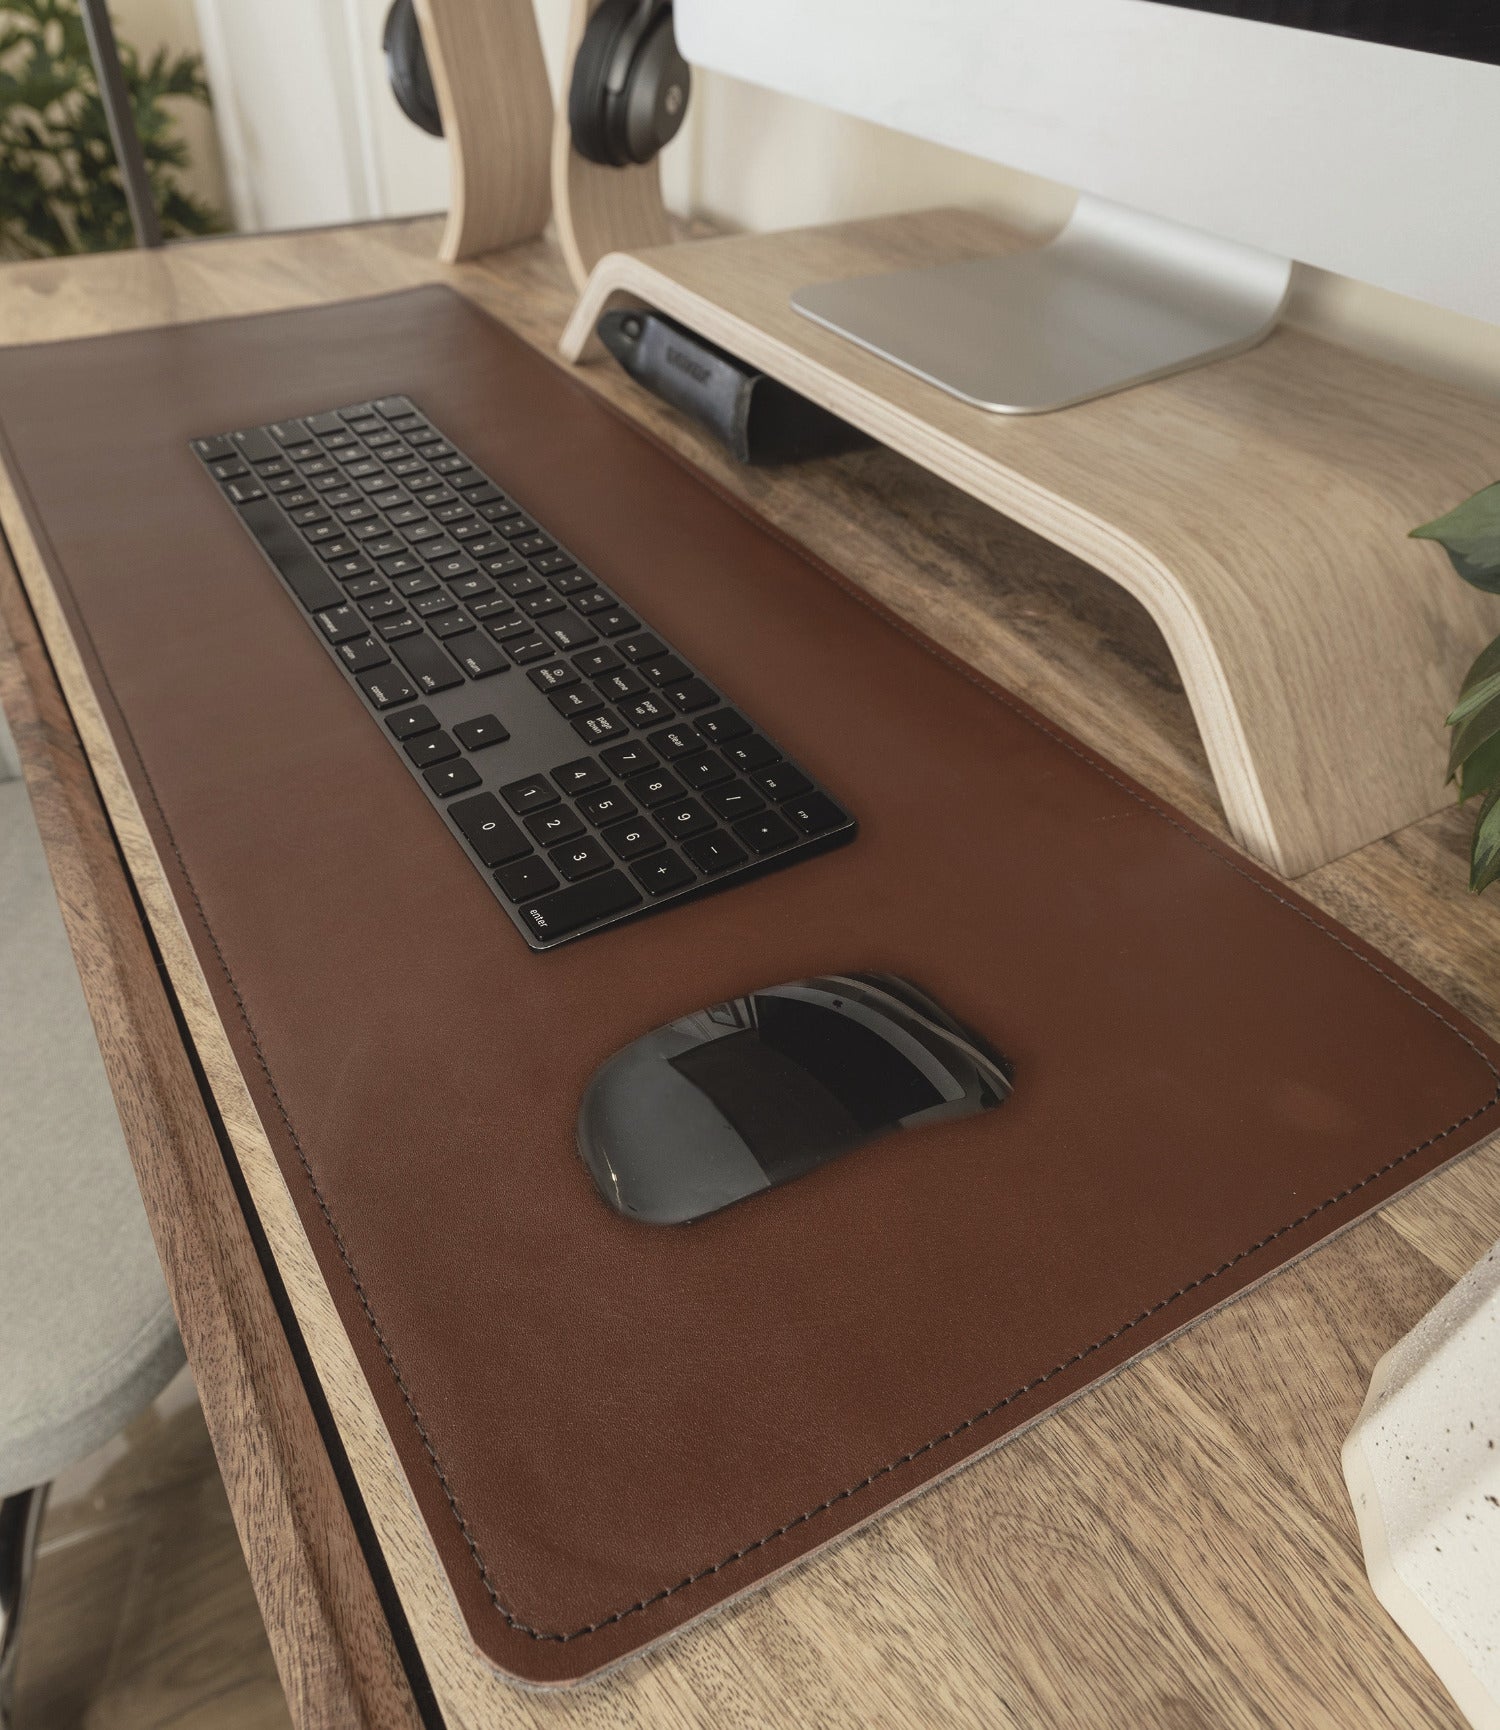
[492, 91]
[599, 210]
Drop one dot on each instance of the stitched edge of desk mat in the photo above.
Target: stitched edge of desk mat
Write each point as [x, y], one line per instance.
[1371, 1185]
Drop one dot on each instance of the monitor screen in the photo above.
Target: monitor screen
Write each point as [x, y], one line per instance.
[1461, 29]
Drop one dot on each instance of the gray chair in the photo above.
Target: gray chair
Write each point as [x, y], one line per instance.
[87, 1338]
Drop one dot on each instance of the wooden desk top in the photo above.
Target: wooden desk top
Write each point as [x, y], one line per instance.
[1175, 1548]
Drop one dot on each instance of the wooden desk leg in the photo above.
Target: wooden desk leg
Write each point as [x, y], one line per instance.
[332, 1645]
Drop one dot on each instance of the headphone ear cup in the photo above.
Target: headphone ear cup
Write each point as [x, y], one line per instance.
[649, 112]
[589, 100]
[406, 67]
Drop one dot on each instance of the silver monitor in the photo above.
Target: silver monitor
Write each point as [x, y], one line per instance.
[1214, 142]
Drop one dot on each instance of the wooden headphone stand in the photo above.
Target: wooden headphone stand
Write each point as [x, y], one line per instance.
[513, 160]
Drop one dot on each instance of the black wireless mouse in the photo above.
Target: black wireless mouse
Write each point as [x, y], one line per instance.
[755, 1092]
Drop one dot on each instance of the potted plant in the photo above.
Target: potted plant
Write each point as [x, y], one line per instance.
[1470, 535]
[60, 188]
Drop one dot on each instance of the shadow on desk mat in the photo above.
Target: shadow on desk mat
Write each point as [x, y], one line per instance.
[609, 1427]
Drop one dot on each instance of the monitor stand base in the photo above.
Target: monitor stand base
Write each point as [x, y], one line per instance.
[1115, 299]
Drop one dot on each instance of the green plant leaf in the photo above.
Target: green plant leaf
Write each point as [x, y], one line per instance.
[1474, 696]
[1474, 730]
[1487, 661]
[60, 187]
[1484, 853]
[1470, 535]
[1480, 771]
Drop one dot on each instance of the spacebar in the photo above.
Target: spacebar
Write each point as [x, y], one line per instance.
[566, 909]
[303, 575]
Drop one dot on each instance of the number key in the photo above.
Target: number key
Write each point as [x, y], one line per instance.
[556, 825]
[686, 818]
[490, 832]
[580, 776]
[633, 840]
[530, 794]
[607, 807]
[658, 787]
[627, 759]
[582, 859]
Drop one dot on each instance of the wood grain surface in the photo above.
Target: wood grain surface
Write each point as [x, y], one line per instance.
[491, 85]
[599, 210]
[1175, 1548]
[1257, 507]
[142, 1614]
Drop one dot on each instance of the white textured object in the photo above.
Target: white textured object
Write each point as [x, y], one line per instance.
[1423, 1467]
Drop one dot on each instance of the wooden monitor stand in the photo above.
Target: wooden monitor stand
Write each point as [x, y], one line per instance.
[1258, 507]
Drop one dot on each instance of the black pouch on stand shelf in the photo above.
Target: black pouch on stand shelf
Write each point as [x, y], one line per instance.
[757, 418]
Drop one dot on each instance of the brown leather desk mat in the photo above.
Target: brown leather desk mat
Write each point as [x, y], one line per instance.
[610, 1427]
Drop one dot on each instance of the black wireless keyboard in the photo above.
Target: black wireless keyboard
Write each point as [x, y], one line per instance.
[607, 780]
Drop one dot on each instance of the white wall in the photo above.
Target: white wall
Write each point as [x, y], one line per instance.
[310, 132]
[763, 160]
[282, 74]
[406, 170]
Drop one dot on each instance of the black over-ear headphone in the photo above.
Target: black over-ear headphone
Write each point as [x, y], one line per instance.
[406, 67]
[630, 84]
